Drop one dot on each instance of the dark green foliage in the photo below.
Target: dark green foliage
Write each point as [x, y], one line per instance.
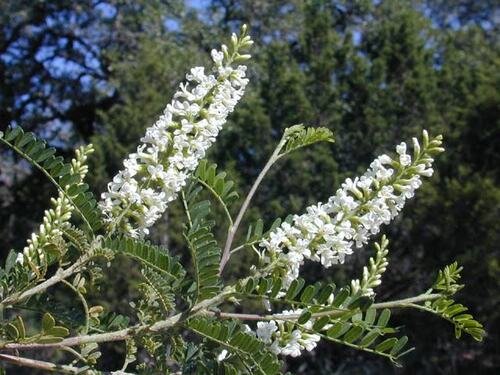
[12, 276]
[447, 283]
[298, 293]
[161, 287]
[368, 333]
[58, 172]
[77, 238]
[447, 280]
[246, 347]
[204, 250]
[149, 255]
[15, 331]
[216, 182]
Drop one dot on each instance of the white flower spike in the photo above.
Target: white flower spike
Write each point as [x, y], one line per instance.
[328, 232]
[174, 145]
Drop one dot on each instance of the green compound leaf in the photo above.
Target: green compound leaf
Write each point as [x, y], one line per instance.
[216, 182]
[154, 257]
[246, 347]
[299, 136]
[59, 173]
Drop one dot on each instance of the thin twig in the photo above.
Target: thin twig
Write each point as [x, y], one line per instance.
[242, 246]
[219, 199]
[406, 302]
[402, 303]
[60, 275]
[234, 228]
[77, 355]
[186, 208]
[83, 302]
[42, 365]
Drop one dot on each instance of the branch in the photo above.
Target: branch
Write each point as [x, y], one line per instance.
[186, 209]
[47, 366]
[59, 276]
[126, 333]
[407, 302]
[402, 303]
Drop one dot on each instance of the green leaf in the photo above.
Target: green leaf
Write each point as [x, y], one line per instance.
[11, 331]
[48, 322]
[19, 323]
[304, 317]
[308, 293]
[454, 313]
[363, 303]
[383, 318]
[13, 133]
[353, 334]
[338, 330]
[58, 331]
[253, 354]
[11, 261]
[298, 136]
[152, 256]
[216, 183]
[162, 287]
[399, 345]
[204, 250]
[447, 279]
[325, 293]
[370, 316]
[320, 323]
[294, 288]
[340, 297]
[386, 344]
[369, 338]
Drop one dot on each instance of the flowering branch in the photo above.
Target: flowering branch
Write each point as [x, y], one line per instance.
[172, 298]
[327, 232]
[124, 334]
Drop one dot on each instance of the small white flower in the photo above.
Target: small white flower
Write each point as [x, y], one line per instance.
[20, 258]
[217, 57]
[292, 347]
[309, 341]
[265, 330]
[222, 355]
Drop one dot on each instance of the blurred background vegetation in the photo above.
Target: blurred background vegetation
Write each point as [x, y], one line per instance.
[375, 72]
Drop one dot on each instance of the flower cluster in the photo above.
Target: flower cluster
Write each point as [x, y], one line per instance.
[281, 340]
[56, 219]
[174, 145]
[372, 274]
[328, 232]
